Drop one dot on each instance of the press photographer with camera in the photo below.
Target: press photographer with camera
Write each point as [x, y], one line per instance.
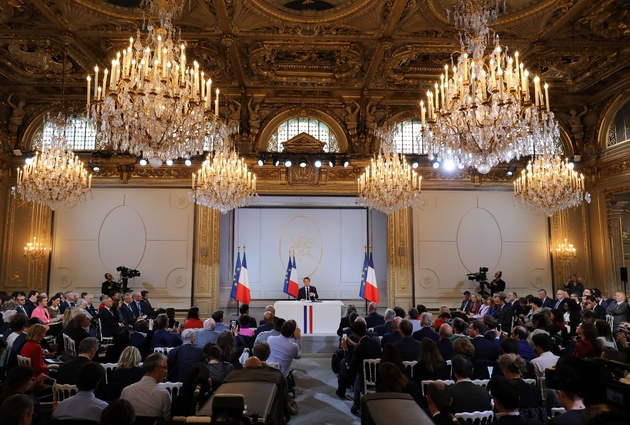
[109, 287]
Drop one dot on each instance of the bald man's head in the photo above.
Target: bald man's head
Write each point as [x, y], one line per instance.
[396, 323]
[253, 362]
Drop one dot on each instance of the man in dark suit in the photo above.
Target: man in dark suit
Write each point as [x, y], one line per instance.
[147, 309]
[439, 400]
[506, 398]
[386, 328]
[574, 406]
[140, 337]
[373, 319]
[504, 313]
[90, 308]
[19, 342]
[129, 316]
[394, 336]
[307, 292]
[69, 301]
[545, 301]
[352, 365]
[618, 309]
[467, 397]
[598, 296]
[21, 301]
[162, 337]
[268, 323]
[485, 349]
[591, 304]
[409, 348]
[444, 345]
[426, 328]
[182, 358]
[467, 303]
[561, 298]
[108, 319]
[69, 371]
[31, 302]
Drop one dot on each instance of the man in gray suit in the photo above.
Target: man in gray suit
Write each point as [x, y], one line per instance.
[618, 309]
[207, 334]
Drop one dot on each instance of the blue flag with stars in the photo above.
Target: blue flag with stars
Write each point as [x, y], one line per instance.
[287, 276]
[364, 275]
[237, 275]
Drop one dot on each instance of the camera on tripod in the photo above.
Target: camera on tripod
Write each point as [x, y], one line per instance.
[479, 277]
[127, 272]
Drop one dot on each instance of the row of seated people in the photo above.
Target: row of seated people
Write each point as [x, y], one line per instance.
[480, 344]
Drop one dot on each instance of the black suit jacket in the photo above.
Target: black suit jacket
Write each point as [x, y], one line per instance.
[303, 295]
[344, 323]
[445, 347]
[109, 322]
[30, 306]
[24, 310]
[485, 349]
[264, 328]
[442, 419]
[367, 348]
[372, 320]
[64, 305]
[391, 338]
[569, 418]
[181, 359]
[548, 303]
[69, 371]
[426, 332]
[504, 317]
[468, 397]
[129, 317]
[146, 307]
[384, 329]
[409, 349]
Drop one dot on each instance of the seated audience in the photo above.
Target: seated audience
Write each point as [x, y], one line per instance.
[146, 397]
[182, 358]
[69, 371]
[588, 346]
[195, 391]
[109, 317]
[84, 405]
[269, 321]
[431, 366]
[395, 336]
[162, 337]
[229, 351]
[34, 351]
[467, 397]
[264, 336]
[121, 340]
[343, 323]
[119, 412]
[443, 317]
[283, 350]
[82, 325]
[604, 334]
[459, 329]
[21, 380]
[440, 401]
[513, 367]
[574, 406]
[543, 345]
[526, 351]
[505, 394]
[127, 372]
[373, 319]
[414, 318]
[244, 311]
[426, 328]
[244, 329]
[386, 328]
[393, 380]
[207, 334]
[444, 345]
[192, 319]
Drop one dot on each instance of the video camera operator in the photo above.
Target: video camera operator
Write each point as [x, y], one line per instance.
[109, 287]
[497, 285]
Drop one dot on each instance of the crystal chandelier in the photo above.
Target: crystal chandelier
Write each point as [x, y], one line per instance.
[471, 18]
[35, 251]
[565, 253]
[223, 182]
[55, 177]
[149, 102]
[482, 113]
[549, 184]
[389, 183]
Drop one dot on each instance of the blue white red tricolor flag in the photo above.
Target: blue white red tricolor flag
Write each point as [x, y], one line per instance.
[370, 289]
[242, 290]
[290, 288]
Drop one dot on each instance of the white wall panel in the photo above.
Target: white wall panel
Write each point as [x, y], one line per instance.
[149, 230]
[455, 233]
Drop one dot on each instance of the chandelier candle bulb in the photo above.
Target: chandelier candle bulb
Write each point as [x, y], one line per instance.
[518, 78]
[216, 104]
[96, 81]
[89, 79]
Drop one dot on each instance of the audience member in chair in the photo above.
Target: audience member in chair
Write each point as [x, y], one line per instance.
[162, 337]
[146, 397]
[182, 358]
[506, 398]
[141, 337]
[386, 328]
[217, 369]
[195, 392]
[519, 334]
[546, 359]
[18, 410]
[109, 320]
[20, 380]
[395, 336]
[283, 350]
[393, 380]
[513, 367]
[574, 406]
[485, 349]
[119, 412]
[229, 350]
[33, 350]
[444, 345]
[69, 371]
[84, 405]
[408, 346]
[426, 328]
[439, 401]
[510, 346]
[264, 336]
[467, 397]
[192, 319]
[373, 319]
[431, 366]
[120, 341]
[268, 323]
[207, 334]
[127, 372]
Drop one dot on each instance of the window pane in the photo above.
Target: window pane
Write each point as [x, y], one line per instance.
[80, 134]
[407, 140]
[311, 126]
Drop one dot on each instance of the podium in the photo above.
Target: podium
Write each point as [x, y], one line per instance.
[320, 317]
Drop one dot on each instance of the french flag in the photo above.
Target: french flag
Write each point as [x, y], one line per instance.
[290, 288]
[371, 288]
[293, 280]
[242, 290]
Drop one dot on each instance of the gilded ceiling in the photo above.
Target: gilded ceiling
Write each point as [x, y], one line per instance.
[274, 53]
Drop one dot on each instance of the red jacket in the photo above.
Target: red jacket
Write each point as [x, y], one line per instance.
[33, 351]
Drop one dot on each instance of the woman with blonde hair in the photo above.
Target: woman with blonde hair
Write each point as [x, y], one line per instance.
[127, 372]
[67, 316]
[476, 305]
[464, 347]
[34, 351]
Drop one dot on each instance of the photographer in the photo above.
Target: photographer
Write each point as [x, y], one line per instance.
[109, 287]
[497, 285]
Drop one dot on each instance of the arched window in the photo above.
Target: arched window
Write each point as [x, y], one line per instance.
[311, 126]
[407, 140]
[81, 134]
[619, 130]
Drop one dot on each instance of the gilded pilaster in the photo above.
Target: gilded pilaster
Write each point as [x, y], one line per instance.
[206, 260]
[400, 262]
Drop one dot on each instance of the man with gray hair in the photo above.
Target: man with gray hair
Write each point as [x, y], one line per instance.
[69, 371]
[373, 319]
[146, 397]
[68, 301]
[386, 328]
[82, 306]
[426, 328]
[182, 358]
[207, 334]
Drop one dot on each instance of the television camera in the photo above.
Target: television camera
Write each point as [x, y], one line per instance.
[125, 274]
[481, 277]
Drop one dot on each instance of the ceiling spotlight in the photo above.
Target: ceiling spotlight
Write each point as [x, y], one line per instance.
[435, 163]
[511, 170]
[331, 161]
[142, 162]
[95, 168]
[302, 162]
[415, 162]
[261, 159]
[188, 162]
[345, 162]
[288, 162]
[317, 163]
[275, 160]
[169, 162]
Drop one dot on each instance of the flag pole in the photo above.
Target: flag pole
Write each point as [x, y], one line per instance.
[289, 296]
[237, 303]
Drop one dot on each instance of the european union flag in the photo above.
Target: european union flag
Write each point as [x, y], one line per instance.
[237, 275]
[364, 275]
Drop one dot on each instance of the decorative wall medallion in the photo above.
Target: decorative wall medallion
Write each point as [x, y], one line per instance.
[427, 278]
[302, 235]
